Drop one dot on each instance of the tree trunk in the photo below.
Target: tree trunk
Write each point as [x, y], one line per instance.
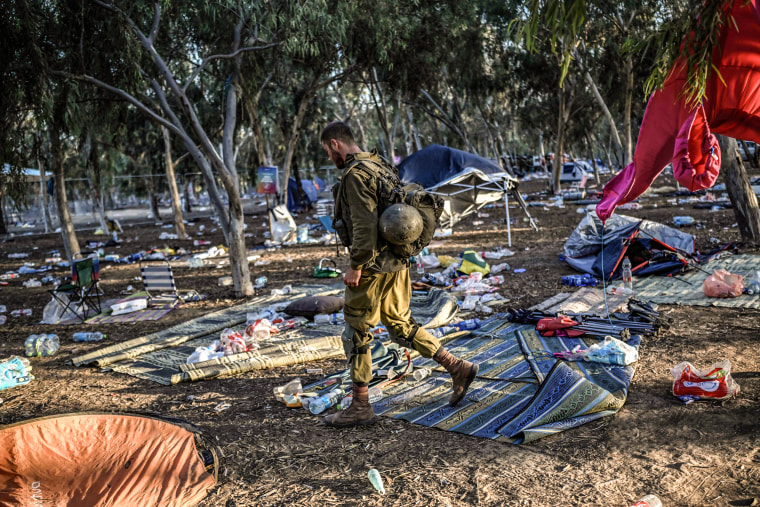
[188, 187]
[740, 191]
[413, 128]
[70, 242]
[607, 115]
[558, 153]
[593, 160]
[44, 196]
[153, 198]
[179, 224]
[96, 194]
[295, 133]
[627, 129]
[750, 157]
[3, 226]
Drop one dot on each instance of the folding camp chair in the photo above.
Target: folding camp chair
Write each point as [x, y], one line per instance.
[83, 293]
[158, 281]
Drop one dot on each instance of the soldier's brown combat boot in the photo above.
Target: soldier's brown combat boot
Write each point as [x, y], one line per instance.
[358, 413]
[462, 373]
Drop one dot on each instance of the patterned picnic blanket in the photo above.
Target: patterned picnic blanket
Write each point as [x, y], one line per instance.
[687, 289]
[522, 392]
[161, 357]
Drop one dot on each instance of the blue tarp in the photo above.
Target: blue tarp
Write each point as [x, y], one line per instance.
[437, 163]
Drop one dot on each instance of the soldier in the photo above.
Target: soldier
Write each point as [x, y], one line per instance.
[377, 282]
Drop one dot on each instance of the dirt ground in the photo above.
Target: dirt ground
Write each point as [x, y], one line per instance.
[705, 453]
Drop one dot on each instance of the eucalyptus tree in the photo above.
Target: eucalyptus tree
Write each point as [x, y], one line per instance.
[191, 54]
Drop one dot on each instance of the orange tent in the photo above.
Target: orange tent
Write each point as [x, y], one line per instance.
[100, 459]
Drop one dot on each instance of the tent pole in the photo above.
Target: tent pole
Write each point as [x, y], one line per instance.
[506, 209]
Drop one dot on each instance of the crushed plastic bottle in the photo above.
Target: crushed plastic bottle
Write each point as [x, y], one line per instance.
[376, 480]
[375, 394]
[84, 336]
[421, 373]
[26, 312]
[334, 318]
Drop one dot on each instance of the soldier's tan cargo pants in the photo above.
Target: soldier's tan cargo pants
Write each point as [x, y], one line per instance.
[381, 297]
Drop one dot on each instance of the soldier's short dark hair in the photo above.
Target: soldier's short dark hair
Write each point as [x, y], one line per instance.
[339, 131]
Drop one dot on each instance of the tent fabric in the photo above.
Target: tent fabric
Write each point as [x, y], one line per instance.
[100, 460]
[674, 130]
[470, 190]
[298, 201]
[654, 248]
[435, 163]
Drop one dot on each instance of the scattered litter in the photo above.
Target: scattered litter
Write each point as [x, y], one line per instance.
[610, 351]
[585, 280]
[519, 270]
[15, 371]
[716, 383]
[225, 281]
[377, 481]
[683, 221]
[722, 284]
[222, 406]
[41, 345]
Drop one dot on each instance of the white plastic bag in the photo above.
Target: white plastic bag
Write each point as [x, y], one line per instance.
[52, 312]
[612, 351]
[129, 306]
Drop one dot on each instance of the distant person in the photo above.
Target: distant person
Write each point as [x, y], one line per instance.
[377, 282]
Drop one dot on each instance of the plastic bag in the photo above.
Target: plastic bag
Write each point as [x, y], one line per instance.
[52, 312]
[722, 284]
[612, 351]
[716, 383]
[15, 371]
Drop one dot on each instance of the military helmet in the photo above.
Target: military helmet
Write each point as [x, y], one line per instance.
[400, 224]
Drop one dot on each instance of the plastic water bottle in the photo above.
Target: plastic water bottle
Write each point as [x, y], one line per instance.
[333, 318]
[683, 220]
[40, 345]
[421, 373]
[420, 267]
[375, 394]
[648, 501]
[627, 274]
[83, 336]
[376, 480]
[468, 325]
[327, 400]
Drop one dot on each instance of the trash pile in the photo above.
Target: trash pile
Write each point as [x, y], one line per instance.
[469, 276]
[259, 327]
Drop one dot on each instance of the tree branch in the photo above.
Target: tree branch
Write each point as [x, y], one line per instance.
[227, 56]
[156, 21]
[121, 93]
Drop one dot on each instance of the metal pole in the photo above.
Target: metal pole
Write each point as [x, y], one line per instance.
[506, 209]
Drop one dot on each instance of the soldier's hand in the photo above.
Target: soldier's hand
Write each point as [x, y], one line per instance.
[352, 276]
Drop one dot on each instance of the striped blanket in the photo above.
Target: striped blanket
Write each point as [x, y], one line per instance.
[522, 392]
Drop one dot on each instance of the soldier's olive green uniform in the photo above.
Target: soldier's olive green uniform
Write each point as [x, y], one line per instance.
[384, 289]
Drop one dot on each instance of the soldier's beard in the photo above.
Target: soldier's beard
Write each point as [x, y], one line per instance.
[340, 162]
